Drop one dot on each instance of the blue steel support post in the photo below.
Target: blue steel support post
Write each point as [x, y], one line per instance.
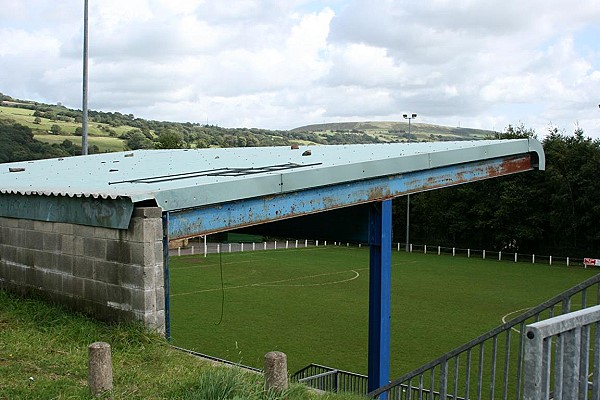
[165, 223]
[380, 273]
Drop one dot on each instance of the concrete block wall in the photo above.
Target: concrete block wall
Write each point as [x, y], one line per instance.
[111, 274]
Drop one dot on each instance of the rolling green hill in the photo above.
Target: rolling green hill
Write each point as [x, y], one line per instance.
[44, 128]
[388, 131]
[55, 124]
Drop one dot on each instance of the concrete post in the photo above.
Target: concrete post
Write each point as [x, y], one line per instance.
[276, 373]
[100, 378]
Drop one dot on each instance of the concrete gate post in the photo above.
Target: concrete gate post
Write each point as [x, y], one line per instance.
[100, 377]
[276, 373]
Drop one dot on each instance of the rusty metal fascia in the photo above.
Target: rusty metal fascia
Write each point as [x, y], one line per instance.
[108, 213]
[248, 212]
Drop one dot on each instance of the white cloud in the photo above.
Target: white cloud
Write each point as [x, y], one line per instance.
[360, 64]
[276, 64]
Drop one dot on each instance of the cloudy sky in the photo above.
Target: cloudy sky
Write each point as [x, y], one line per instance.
[279, 64]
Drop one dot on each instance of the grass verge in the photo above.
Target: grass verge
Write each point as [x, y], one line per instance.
[43, 355]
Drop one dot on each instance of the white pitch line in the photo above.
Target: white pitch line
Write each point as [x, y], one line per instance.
[505, 317]
[315, 284]
[273, 283]
[515, 312]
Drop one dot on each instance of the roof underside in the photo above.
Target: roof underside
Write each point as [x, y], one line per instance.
[185, 179]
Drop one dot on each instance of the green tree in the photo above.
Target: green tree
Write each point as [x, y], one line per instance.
[137, 140]
[55, 129]
[169, 139]
[17, 144]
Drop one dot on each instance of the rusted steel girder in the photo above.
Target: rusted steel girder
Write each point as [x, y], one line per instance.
[254, 211]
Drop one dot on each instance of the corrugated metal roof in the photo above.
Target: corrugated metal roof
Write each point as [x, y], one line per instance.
[179, 179]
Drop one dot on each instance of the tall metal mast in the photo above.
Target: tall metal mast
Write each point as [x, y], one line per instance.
[84, 121]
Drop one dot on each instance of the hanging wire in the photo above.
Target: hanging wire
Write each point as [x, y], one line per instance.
[222, 288]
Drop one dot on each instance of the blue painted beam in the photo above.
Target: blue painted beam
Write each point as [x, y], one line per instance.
[380, 276]
[254, 211]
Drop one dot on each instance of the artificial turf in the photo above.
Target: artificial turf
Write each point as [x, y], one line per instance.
[312, 303]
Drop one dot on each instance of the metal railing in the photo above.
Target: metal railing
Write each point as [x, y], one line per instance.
[490, 366]
[329, 379]
[570, 334]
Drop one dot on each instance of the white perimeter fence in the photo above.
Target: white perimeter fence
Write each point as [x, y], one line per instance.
[210, 247]
[504, 255]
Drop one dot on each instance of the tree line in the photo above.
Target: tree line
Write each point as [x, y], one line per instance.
[551, 212]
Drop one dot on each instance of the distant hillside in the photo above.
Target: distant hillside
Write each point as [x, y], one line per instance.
[56, 125]
[397, 131]
[60, 127]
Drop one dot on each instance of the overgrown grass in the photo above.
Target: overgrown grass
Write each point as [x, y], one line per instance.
[43, 355]
[313, 303]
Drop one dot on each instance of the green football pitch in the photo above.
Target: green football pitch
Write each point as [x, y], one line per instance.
[312, 303]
